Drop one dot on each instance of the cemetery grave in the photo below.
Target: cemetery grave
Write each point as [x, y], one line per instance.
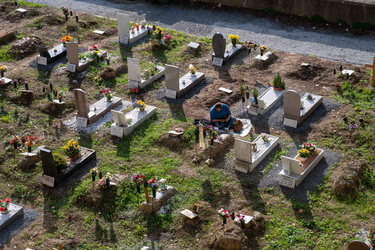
[82, 215]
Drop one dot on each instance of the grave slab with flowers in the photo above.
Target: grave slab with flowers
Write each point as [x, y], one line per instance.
[177, 86]
[247, 155]
[125, 123]
[296, 169]
[52, 55]
[79, 62]
[138, 79]
[9, 212]
[266, 101]
[130, 34]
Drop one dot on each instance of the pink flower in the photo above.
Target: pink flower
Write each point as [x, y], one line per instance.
[2, 209]
[7, 200]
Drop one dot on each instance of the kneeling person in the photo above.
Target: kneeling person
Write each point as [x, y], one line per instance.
[221, 116]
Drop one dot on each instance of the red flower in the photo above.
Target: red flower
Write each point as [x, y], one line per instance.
[2, 209]
[7, 200]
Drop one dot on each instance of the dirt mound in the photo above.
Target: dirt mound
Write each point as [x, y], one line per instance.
[306, 73]
[345, 179]
[52, 20]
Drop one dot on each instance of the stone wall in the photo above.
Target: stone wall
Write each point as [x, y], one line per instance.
[352, 12]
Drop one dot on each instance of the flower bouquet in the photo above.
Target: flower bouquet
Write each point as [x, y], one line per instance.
[3, 69]
[15, 141]
[263, 49]
[371, 237]
[98, 79]
[108, 94]
[158, 33]
[192, 69]
[30, 142]
[139, 104]
[266, 138]
[241, 219]
[72, 149]
[94, 172]
[167, 39]
[65, 11]
[96, 52]
[234, 39]
[138, 180]
[4, 205]
[195, 208]
[59, 161]
[143, 24]
[303, 153]
[224, 214]
[154, 185]
[66, 39]
[105, 181]
[310, 147]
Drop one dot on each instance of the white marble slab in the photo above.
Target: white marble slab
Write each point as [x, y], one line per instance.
[270, 98]
[137, 118]
[144, 83]
[138, 34]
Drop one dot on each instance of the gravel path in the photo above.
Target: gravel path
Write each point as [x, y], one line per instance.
[202, 22]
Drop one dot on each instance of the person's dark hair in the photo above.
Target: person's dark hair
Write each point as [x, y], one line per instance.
[218, 105]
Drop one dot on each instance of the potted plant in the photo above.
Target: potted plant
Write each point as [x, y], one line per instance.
[234, 39]
[139, 104]
[278, 82]
[247, 92]
[59, 161]
[108, 94]
[303, 154]
[72, 150]
[242, 92]
[192, 69]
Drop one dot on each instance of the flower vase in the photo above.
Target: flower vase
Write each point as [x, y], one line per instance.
[109, 99]
[64, 44]
[97, 59]
[138, 188]
[141, 109]
[93, 177]
[29, 149]
[15, 145]
[6, 210]
[302, 159]
[66, 19]
[26, 86]
[154, 192]
[212, 142]
[224, 220]
[107, 182]
[192, 74]
[74, 158]
[2, 73]
[60, 100]
[232, 216]
[242, 224]
[132, 31]
[234, 44]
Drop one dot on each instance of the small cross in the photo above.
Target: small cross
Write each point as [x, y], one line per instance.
[373, 71]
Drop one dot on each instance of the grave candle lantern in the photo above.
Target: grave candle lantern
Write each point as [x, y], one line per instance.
[27, 85]
[76, 18]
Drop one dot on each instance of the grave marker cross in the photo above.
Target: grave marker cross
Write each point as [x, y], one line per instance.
[373, 71]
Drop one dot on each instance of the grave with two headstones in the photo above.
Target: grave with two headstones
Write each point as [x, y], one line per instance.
[177, 86]
[247, 155]
[135, 76]
[224, 52]
[124, 124]
[53, 177]
[89, 114]
[49, 56]
[297, 109]
[77, 65]
[126, 36]
[295, 170]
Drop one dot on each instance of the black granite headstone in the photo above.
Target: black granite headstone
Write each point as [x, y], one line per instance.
[218, 44]
[48, 163]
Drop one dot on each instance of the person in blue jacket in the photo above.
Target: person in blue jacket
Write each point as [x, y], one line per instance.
[221, 117]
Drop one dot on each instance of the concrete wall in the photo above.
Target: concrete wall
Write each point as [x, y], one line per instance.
[351, 11]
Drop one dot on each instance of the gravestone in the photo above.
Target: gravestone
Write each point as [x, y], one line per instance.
[358, 245]
[48, 163]
[15, 212]
[80, 98]
[292, 107]
[134, 71]
[49, 56]
[297, 109]
[218, 45]
[72, 53]
[373, 71]
[90, 114]
[246, 158]
[123, 27]
[175, 86]
[264, 60]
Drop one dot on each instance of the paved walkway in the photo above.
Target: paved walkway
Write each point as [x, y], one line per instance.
[339, 47]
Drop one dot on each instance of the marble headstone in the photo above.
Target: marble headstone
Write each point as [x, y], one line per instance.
[123, 27]
[80, 98]
[134, 69]
[218, 44]
[242, 150]
[72, 52]
[292, 103]
[172, 79]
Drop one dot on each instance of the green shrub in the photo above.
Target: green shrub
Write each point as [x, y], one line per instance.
[317, 18]
[59, 160]
[365, 26]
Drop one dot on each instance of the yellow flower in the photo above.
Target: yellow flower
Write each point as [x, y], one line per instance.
[3, 68]
[234, 38]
